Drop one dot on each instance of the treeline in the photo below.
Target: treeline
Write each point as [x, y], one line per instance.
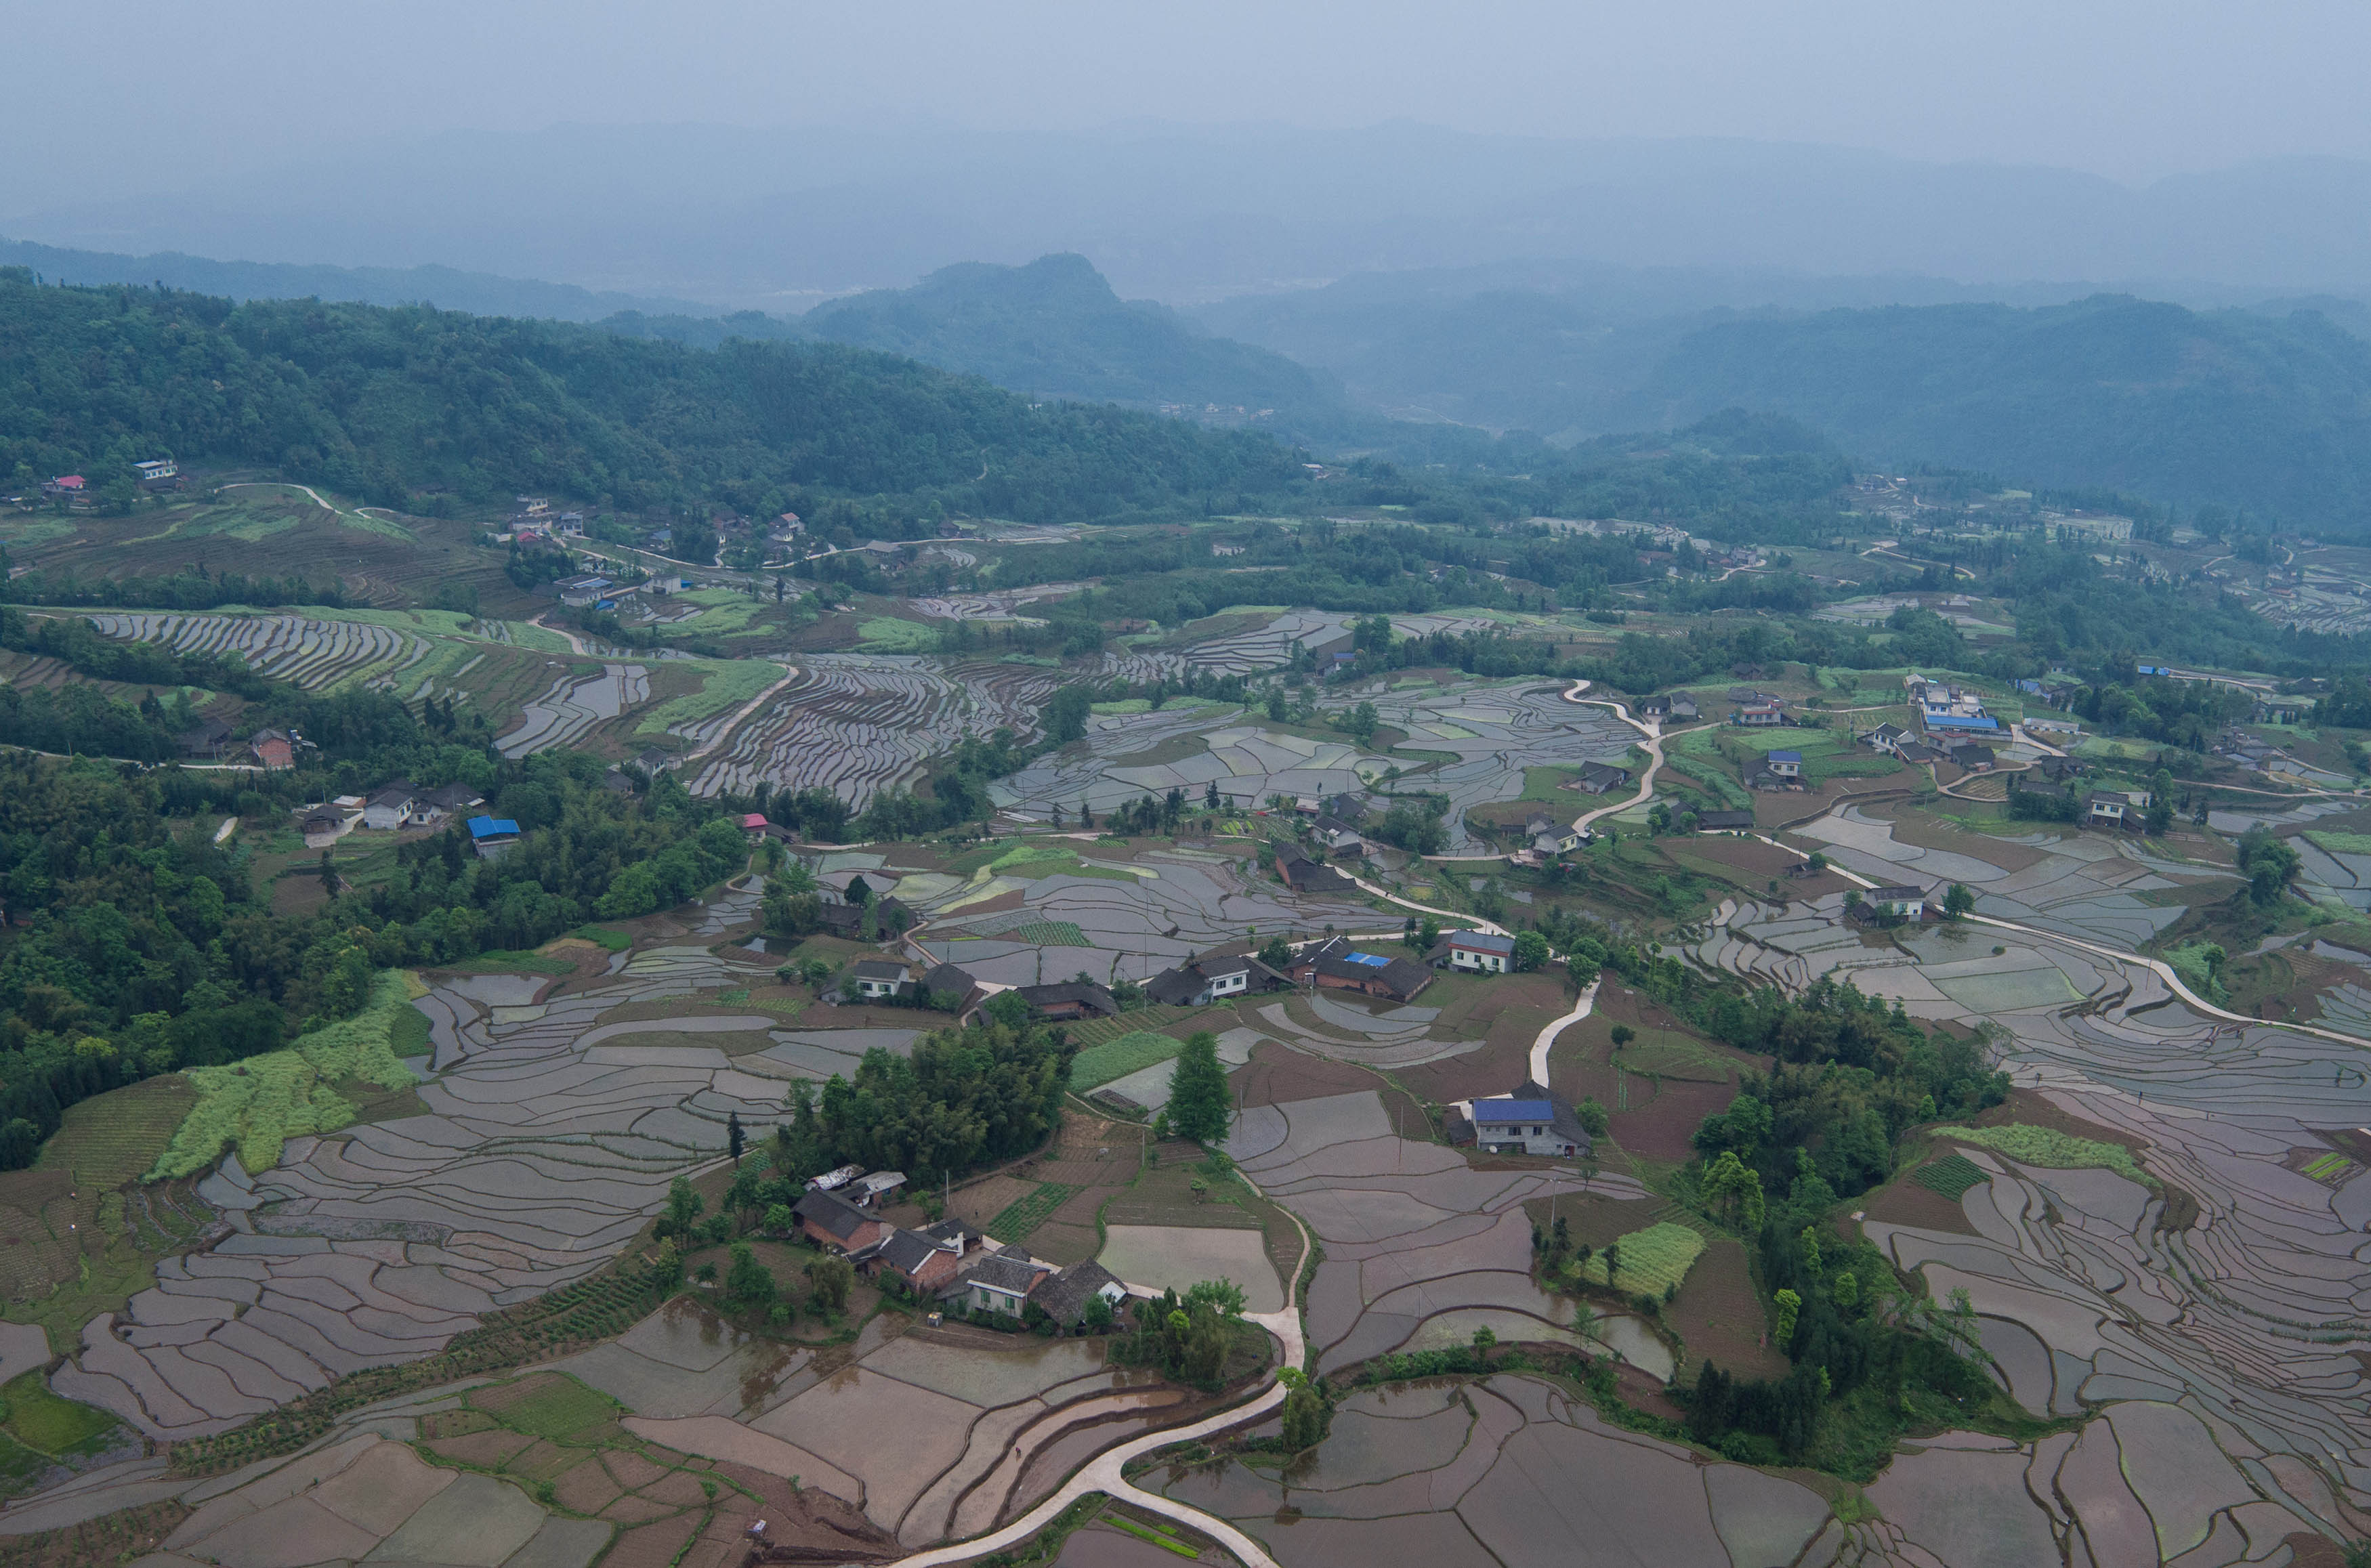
[389, 403]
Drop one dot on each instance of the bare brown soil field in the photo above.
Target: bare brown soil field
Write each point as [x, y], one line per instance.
[1659, 1129]
[1912, 825]
[1590, 1220]
[1904, 1202]
[1770, 810]
[1276, 1076]
[1718, 1316]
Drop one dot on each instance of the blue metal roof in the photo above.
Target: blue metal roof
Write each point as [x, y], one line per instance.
[493, 828]
[1953, 721]
[1786, 756]
[1499, 1112]
[1365, 958]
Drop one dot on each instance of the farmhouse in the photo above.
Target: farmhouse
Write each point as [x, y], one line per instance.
[1903, 902]
[2105, 810]
[1065, 1296]
[867, 1191]
[1759, 714]
[1395, 979]
[872, 977]
[1479, 952]
[836, 1225]
[1303, 872]
[1198, 982]
[436, 805]
[390, 807]
[206, 739]
[1003, 1282]
[578, 592]
[1526, 1126]
[1338, 837]
[493, 837]
[922, 1261]
[1070, 1000]
[1724, 821]
[1597, 777]
[272, 749]
[158, 473]
[1784, 764]
[1973, 757]
[323, 826]
[945, 982]
[1886, 737]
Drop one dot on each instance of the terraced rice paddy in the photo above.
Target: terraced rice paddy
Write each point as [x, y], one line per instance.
[544, 1149]
[859, 725]
[566, 713]
[1508, 1472]
[317, 653]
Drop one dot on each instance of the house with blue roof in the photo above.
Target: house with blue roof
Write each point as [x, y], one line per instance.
[493, 837]
[1526, 1126]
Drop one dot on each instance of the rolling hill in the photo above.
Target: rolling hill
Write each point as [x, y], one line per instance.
[390, 403]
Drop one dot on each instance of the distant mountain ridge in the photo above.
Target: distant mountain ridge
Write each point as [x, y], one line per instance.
[1054, 328]
[481, 294]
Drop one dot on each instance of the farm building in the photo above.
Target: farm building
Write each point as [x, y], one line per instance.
[836, 1225]
[390, 807]
[1973, 757]
[1002, 1283]
[1395, 979]
[1070, 1000]
[1197, 982]
[493, 837]
[206, 739]
[1724, 821]
[1759, 715]
[2106, 809]
[1478, 953]
[1527, 1127]
[1903, 902]
[877, 977]
[947, 981]
[1597, 777]
[1303, 872]
[1065, 1296]
[1886, 737]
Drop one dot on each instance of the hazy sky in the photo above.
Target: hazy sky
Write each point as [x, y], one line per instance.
[129, 94]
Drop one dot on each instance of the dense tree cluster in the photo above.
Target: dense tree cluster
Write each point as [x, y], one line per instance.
[965, 1097]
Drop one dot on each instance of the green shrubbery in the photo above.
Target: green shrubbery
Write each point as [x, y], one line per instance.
[257, 1104]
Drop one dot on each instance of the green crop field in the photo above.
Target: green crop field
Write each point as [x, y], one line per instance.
[48, 1424]
[1115, 1060]
[259, 1104]
[887, 634]
[1950, 1176]
[1023, 1216]
[1653, 1260]
[555, 1407]
[1052, 933]
[115, 1137]
[726, 685]
[2048, 1147]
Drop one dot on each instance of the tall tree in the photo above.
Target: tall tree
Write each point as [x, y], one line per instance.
[1198, 1103]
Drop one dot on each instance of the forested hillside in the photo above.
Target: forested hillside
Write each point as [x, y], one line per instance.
[2228, 407]
[397, 405]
